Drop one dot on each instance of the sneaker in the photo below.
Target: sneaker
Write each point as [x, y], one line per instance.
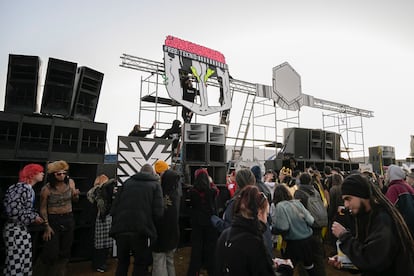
[100, 269]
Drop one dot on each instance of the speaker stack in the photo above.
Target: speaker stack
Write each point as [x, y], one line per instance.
[88, 85]
[204, 146]
[21, 85]
[314, 144]
[58, 90]
[69, 91]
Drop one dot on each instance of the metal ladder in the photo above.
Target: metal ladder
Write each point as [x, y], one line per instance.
[244, 123]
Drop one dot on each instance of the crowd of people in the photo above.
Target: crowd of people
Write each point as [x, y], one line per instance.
[273, 223]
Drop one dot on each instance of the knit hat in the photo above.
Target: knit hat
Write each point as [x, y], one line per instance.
[356, 185]
[57, 166]
[394, 172]
[257, 172]
[160, 166]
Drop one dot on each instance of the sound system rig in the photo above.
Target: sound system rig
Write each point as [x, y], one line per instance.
[314, 147]
[204, 147]
[63, 130]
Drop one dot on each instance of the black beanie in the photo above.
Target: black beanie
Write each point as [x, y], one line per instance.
[356, 185]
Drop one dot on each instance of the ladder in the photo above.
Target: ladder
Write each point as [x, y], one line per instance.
[244, 123]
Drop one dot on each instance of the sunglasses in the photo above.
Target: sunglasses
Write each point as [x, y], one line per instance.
[61, 173]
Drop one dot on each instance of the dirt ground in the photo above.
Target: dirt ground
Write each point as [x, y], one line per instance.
[181, 264]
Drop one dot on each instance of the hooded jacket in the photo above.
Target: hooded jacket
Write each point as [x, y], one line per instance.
[241, 251]
[137, 205]
[167, 226]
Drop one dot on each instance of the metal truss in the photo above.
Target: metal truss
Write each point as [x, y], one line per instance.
[285, 120]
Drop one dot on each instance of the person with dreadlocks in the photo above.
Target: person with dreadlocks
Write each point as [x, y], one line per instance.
[241, 249]
[382, 243]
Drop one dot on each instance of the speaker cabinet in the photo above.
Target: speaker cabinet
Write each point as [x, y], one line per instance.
[93, 138]
[88, 85]
[317, 144]
[9, 127]
[51, 138]
[381, 155]
[34, 138]
[297, 142]
[217, 173]
[58, 90]
[21, 85]
[332, 146]
[216, 135]
[195, 153]
[195, 133]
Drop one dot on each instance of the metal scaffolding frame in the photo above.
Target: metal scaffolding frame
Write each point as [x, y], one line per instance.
[352, 133]
[265, 122]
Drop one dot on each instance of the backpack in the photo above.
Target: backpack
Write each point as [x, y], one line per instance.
[317, 210]
[405, 204]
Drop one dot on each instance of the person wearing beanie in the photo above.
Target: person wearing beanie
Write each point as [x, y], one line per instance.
[160, 166]
[401, 194]
[56, 209]
[19, 210]
[257, 172]
[381, 243]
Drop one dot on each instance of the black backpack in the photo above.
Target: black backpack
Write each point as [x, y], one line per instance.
[405, 204]
[317, 209]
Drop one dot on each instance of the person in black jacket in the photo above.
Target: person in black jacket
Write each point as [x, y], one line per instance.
[173, 133]
[203, 234]
[167, 227]
[137, 132]
[382, 243]
[138, 203]
[240, 249]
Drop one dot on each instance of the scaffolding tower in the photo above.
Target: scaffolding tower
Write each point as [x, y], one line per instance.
[254, 122]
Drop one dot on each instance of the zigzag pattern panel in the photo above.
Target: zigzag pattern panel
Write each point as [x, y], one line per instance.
[134, 152]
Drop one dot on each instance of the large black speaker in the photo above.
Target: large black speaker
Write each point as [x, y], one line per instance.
[317, 144]
[296, 142]
[58, 90]
[88, 85]
[332, 146]
[9, 127]
[22, 82]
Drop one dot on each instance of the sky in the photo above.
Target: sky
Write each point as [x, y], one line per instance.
[359, 53]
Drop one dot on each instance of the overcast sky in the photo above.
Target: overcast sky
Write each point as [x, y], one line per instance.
[359, 53]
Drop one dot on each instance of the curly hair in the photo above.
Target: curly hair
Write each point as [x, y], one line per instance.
[29, 171]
